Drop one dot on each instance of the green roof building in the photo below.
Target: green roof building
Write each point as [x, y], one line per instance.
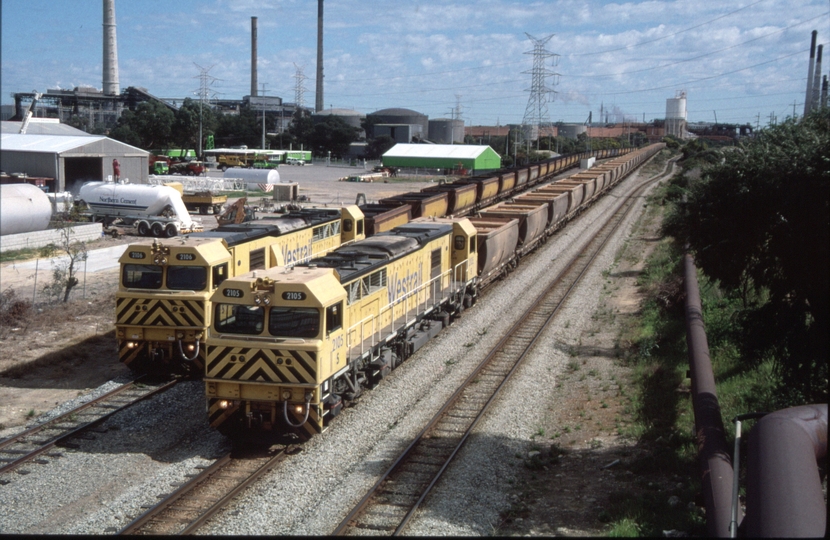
[474, 158]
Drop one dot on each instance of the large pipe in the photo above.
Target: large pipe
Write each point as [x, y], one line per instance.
[783, 493]
[808, 101]
[815, 104]
[318, 102]
[713, 452]
[111, 85]
[253, 57]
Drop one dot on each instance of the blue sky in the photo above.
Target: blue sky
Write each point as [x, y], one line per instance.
[737, 61]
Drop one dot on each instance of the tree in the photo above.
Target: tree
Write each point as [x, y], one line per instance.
[185, 128]
[64, 270]
[301, 129]
[333, 135]
[149, 126]
[379, 146]
[759, 220]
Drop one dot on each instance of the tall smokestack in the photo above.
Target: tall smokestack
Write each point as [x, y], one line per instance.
[111, 86]
[318, 104]
[808, 101]
[823, 102]
[814, 103]
[253, 57]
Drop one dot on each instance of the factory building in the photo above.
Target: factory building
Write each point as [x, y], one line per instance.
[66, 157]
[474, 158]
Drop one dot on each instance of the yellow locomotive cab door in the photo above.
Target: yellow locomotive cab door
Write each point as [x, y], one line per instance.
[335, 338]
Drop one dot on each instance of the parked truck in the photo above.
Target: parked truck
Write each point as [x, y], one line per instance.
[203, 201]
[148, 210]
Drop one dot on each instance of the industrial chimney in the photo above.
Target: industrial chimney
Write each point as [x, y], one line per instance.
[808, 101]
[318, 105]
[253, 57]
[111, 86]
[815, 103]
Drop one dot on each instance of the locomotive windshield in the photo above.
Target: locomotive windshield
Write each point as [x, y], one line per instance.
[237, 319]
[186, 278]
[294, 322]
[141, 276]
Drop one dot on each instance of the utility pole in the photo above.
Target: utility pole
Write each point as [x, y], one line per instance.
[205, 81]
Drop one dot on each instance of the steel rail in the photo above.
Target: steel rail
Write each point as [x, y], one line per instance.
[44, 446]
[575, 270]
[203, 505]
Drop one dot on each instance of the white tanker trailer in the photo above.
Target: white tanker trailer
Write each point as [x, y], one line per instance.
[263, 179]
[152, 210]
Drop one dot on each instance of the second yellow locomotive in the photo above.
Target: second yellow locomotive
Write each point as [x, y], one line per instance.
[288, 346]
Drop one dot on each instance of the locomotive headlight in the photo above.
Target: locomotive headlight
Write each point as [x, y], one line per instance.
[266, 300]
[131, 344]
[224, 404]
[257, 300]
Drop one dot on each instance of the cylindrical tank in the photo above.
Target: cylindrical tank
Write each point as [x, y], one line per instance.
[264, 179]
[119, 200]
[446, 130]
[23, 208]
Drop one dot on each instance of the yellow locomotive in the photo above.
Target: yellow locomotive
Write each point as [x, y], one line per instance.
[288, 346]
[163, 300]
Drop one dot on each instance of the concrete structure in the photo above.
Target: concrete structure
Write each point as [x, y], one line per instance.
[71, 159]
[572, 131]
[442, 156]
[82, 232]
[446, 130]
[418, 121]
[351, 117]
[400, 133]
[676, 115]
[318, 98]
[111, 86]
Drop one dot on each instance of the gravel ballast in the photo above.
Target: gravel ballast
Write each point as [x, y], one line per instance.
[101, 486]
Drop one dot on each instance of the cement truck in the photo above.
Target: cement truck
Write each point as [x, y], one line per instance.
[150, 210]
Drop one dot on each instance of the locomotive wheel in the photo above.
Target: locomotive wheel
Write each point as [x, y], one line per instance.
[143, 228]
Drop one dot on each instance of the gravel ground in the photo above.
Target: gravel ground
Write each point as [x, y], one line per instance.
[132, 459]
[158, 443]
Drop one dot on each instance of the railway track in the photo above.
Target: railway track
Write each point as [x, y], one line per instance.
[192, 504]
[396, 496]
[37, 444]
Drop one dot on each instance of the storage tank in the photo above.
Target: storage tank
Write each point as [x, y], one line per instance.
[23, 208]
[263, 179]
[121, 200]
[446, 130]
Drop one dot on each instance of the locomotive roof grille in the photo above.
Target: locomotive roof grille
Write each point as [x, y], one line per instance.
[238, 233]
[365, 256]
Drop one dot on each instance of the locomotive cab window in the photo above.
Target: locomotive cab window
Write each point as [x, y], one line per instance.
[334, 317]
[294, 322]
[459, 243]
[220, 274]
[359, 226]
[472, 244]
[141, 276]
[238, 319]
[347, 225]
[186, 278]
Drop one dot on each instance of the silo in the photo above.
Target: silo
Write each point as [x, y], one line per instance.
[418, 121]
[23, 208]
[446, 130]
[571, 131]
[676, 115]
